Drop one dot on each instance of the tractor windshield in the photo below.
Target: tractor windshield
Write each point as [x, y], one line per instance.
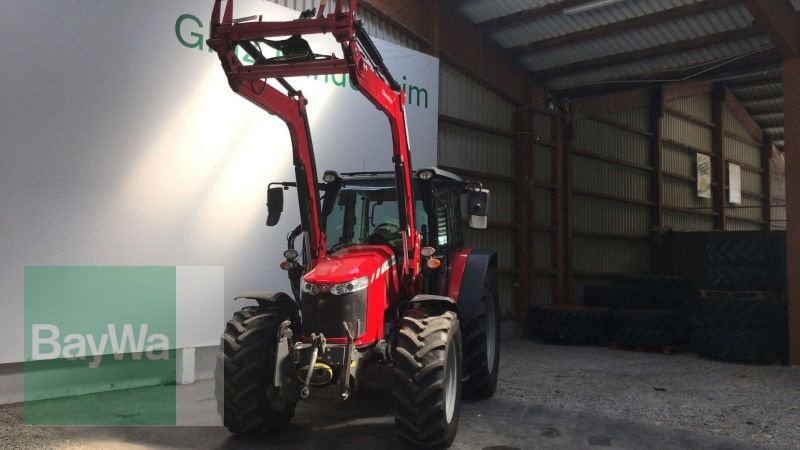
[367, 213]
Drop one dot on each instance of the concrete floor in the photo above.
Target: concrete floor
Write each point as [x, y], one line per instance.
[545, 400]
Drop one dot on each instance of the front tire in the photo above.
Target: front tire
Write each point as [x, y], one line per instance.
[482, 346]
[427, 378]
[246, 398]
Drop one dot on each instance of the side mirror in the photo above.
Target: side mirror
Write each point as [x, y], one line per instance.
[478, 208]
[274, 205]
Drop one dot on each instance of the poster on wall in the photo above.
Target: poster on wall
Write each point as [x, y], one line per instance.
[703, 176]
[735, 184]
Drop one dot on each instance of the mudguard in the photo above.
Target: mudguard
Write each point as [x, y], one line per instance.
[445, 302]
[479, 262]
[284, 301]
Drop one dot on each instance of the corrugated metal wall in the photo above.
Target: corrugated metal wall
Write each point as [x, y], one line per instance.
[462, 97]
[609, 206]
[778, 187]
[610, 179]
[679, 162]
[739, 149]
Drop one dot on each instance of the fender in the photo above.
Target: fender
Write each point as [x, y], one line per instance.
[466, 280]
[279, 299]
[442, 301]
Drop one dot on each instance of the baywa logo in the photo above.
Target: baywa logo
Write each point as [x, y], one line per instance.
[189, 30]
[79, 346]
[93, 337]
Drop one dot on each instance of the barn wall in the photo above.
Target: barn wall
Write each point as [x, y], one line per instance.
[479, 144]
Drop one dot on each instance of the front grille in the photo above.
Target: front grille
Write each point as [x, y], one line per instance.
[324, 313]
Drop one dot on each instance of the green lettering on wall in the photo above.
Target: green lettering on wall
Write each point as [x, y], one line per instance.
[196, 38]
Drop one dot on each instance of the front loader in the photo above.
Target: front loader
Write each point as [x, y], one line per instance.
[381, 276]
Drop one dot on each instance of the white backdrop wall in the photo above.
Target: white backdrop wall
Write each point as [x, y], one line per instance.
[121, 144]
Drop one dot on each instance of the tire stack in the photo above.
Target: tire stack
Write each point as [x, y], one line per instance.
[741, 316]
[745, 264]
[646, 311]
[740, 326]
[569, 324]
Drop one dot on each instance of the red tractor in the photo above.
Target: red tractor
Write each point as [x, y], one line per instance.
[382, 277]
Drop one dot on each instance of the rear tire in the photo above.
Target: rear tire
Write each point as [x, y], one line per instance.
[482, 347]
[427, 378]
[246, 398]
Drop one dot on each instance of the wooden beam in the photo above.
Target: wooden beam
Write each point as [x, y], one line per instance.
[474, 174]
[766, 183]
[455, 40]
[476, 126]
[562, 293]
[599, 157]
[779, 20]
[527, 15]
[675, 76]
[791, 107]
[603, 105]
[740, 113]
[718, 169]
[675, 91]
[624, 25]
[657, 176]
[523, 166]
[649, 52]
[757, 83]
[754, 98]
[689, 118]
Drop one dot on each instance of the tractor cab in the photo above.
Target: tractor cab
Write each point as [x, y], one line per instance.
[361, 209]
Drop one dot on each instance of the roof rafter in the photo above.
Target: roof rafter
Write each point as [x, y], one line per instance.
[659, 50]
[625, 25]
[779, 20]
[766, 59]
[527, 15]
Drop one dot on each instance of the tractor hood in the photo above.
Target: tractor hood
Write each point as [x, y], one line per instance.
[350, 263]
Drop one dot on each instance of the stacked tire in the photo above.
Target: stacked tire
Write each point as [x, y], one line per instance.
[740, 327]
[570, 324]
[650, 328]
[745, 264]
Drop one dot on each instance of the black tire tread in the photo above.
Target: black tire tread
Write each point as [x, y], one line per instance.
[649, 318]
[649, 337]
[571, 315]
[244, 366]
[739, 313]
[481, 382]
[419, 378]
[570, 334]
[752, 346]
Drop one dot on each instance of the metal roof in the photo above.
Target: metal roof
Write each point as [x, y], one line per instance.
[637, 43]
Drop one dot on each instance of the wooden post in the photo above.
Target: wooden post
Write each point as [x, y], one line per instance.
[657, 178]
[766, 183]
[718, 171]
[791, 113]
[523, 127]
[563, 280]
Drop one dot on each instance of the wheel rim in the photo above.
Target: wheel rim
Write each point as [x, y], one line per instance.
[450, 384]
[491, 329]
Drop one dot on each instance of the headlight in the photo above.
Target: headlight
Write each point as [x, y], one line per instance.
[310, 288]
[351, 286]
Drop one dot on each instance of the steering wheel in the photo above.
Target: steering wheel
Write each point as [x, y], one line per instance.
[388, 227]
[382, 234]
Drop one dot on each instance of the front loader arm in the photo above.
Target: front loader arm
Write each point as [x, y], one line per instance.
[368, 74]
